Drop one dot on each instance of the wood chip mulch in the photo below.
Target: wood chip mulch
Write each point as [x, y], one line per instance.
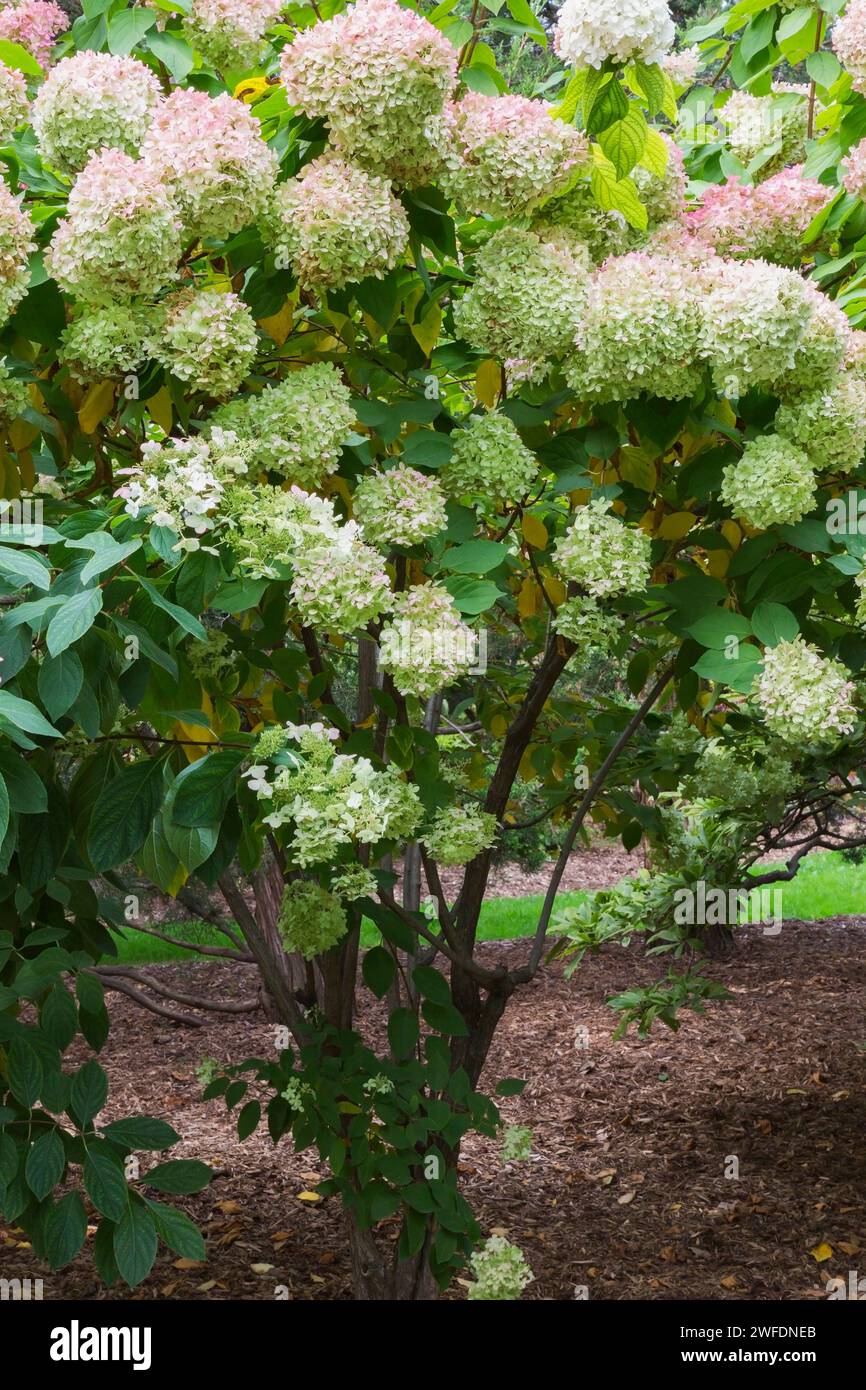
[626, 1193]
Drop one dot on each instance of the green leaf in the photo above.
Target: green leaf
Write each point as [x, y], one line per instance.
[72, 620]
[475, 557]
[64, 1230]
[25, 716]
[103, 1252]
[617, 195]
[650, 80]
[738, 673]
[59, 1017]
[403, 1032]
[59, 682]
[610, 105]
[124, 812]
[89, 1091]
[24, 1072]
[624, 141]
[823, 68]
[180, 1176]
[107, 552]
[4, 811]
[106, 1185]
[444, 1018]
[27, 793]
[378, 971]
[177, 1231]
[128, 28]
[248, 1119]
[773, 623]
[473, 596]
[141, 1132]
[135, 1244]
[45, 1164]
[431, 984]
[510, 1086]
[203, 790]
[759, 34]
[18, 565]
[14, 56]
[717, 628]
[180, 615]
[173, 51]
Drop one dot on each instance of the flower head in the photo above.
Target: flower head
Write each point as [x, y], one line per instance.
[121, 236]
[337, 223]
[17, 243]
[379, 74]
[500, 1270]
[489, 458]
[35, 24]
[804, 697]
[528, 294]
[230, 33]
[208, 340]
[625, 30]
[459, 833]
[642, 331]
[297, 427]
[772, 484]
[601, 554]
[91, 101]
[425, 646]
[506, 154]
[400, 507]
[209, 155]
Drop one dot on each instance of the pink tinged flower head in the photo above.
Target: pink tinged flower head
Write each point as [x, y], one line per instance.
[768, 221]
[379, 74]
[14, 102]
[506, 154]
[337, 224]
[121, 236]
[854, 170]
[35, 24]
[17, 243]
[92, 100]
[230, 33]
[209, 153]
[849, 42]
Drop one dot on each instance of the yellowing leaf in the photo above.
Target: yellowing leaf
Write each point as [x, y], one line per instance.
[729, 1281]
[675, 526]
[527, 599]
[488, 382]
[426, 333]
[250, 88]
[717, 563]
[637, 466]
[556, 591]
[278, 326]
[22, 433]
[732, 533]
[821, 1252]
[498, 725]
[534, 531]
[655, 154]
[96, 405]
[160, 409]
[309, 1197]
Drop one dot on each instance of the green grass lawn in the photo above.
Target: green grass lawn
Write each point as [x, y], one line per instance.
[826, 886]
